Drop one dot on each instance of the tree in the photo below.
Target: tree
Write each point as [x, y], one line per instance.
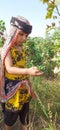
[39, 53]
[51, 6]
[2, 30]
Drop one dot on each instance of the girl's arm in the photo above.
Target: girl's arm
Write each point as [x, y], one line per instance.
[15, 70]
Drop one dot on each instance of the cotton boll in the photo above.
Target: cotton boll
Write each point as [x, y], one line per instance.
[56, 70]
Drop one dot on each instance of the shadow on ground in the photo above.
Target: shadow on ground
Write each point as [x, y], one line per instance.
[16, 126]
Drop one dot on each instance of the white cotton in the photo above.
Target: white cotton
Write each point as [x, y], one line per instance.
[56, 70]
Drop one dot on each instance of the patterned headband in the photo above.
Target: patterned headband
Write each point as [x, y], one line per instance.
[21, 25]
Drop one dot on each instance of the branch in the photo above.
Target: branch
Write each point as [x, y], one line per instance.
[57, 11]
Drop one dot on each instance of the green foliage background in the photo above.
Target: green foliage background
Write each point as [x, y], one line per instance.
[2, 30]
[40, 52]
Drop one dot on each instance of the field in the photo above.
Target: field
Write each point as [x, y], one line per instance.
[45, 109]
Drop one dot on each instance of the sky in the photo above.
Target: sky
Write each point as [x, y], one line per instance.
[33, 10]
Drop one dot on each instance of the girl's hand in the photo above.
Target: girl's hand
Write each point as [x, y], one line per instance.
[34, 71]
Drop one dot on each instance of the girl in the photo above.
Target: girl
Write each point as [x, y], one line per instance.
[16, 88]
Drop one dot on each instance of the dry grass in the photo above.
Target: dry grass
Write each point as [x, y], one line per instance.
[47, 101]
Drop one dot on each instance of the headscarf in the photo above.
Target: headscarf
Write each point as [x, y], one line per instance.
[16, 25]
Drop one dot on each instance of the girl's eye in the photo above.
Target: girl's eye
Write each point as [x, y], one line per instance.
[21, 34]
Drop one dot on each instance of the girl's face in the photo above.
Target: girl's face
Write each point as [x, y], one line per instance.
[22, 37]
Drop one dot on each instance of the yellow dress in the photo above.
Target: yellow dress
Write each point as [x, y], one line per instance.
[21, 96]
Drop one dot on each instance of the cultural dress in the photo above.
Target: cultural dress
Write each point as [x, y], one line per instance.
[15, 89]
[21, 94]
